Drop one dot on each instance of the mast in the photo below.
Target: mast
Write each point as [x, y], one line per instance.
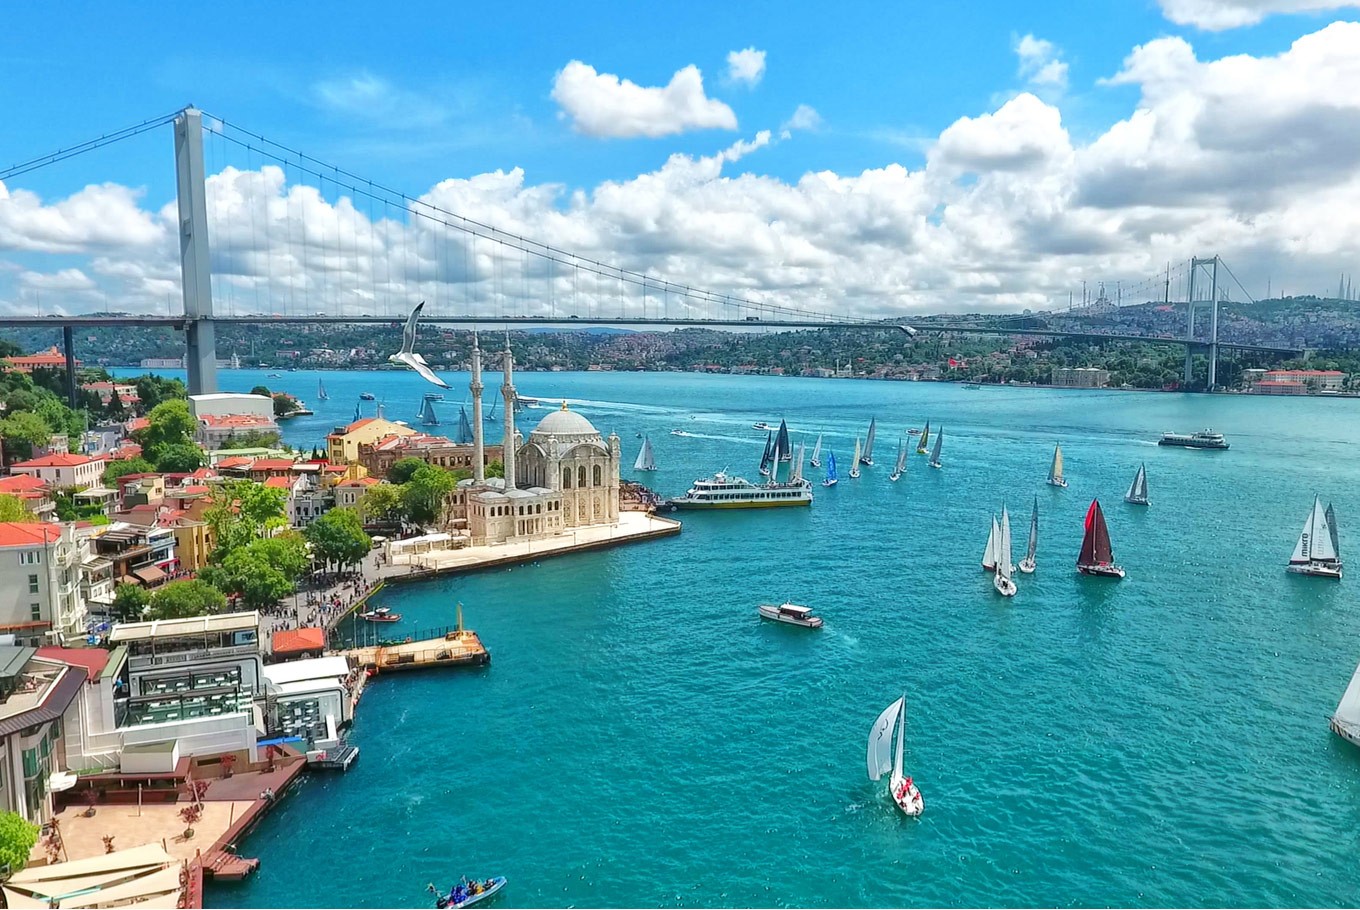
[925, 440]
[935, 455]
[1055, 473]
[1087, 557]
[765, 458]
[831, 466]
[796, 475]
[1003, 558]
[1033, 531]
[464, 428]
[817, 451]
[869, 442]
[645, 460]
[1331, 527]
[989, 552]
[901, 735]
[1095, 545]
[783, 449]
[855, 459]
[901, 455]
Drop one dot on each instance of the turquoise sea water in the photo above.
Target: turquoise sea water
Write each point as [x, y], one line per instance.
[642, 739]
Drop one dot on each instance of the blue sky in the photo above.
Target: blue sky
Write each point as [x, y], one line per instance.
[423, 92]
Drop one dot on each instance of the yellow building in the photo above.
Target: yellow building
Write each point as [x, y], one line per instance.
[342, 446]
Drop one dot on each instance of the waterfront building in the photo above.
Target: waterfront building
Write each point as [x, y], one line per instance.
[1279, 387]
[378, 456]
[311, 698]
[40, 585]
[63, 471]
[1323, 381]
[342, 445]
[1081, 378]
[51, 359]
[223, 404]
[216, 431]
[293, 644]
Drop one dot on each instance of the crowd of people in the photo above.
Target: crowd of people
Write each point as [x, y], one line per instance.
[322, 604]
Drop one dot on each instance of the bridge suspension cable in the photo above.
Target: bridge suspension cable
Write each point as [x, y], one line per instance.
[127, 132]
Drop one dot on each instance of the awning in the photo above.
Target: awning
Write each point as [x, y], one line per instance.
[149, 575]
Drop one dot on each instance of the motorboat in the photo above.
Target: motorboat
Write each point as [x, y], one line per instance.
[762, 425]
[791, 613]
[487, 889]
[382, 614]
[722, 491]
[367, 396]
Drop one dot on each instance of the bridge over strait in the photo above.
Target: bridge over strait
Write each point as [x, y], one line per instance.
[470, 272]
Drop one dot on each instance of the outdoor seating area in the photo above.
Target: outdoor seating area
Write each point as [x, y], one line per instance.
[171, 706]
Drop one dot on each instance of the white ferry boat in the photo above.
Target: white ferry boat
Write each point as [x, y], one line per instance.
[723, 492]
[1204, 439]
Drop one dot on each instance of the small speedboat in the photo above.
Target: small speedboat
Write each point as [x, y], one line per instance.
[488, 889]
[791, 613]
[913, 431]
[367, 396]
[762, 425]
[382, 614]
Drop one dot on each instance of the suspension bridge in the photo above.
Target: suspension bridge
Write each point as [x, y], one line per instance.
[295, 240]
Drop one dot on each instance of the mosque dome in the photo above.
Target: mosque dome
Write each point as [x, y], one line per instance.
[565, 425]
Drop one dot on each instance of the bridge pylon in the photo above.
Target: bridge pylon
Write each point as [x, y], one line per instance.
[200, 357]
[1195, 263]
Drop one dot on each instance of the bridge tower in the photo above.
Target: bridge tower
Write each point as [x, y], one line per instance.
[200, 357]
[1195, 263]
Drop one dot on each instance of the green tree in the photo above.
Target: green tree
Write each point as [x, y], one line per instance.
[180, 458]
[129, 601]
[125, 466]
[338, 537]
[263, 507]
[12, 509]
[285, 404]
[259, 584]
[286, 552]
[152, 390]
[425, 495]
[495, 469]
[170, 425]
[17, 837]
[261, 390]
[180, 599]
[404, 469]
[251, 439]
[24, 430]
[382, 502]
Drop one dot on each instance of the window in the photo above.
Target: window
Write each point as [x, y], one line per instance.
[35, 611]
[33, 584]
[566, 478]
[581, 476]
[597, 476]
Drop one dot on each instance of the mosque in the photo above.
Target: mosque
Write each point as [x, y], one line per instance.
[566, 476]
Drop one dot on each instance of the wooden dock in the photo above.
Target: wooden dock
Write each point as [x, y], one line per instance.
[456, 649]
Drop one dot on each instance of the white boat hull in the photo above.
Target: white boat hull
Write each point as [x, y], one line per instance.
[815, 463]
[909, 802]
[987, 568]
[1004, 586]
[1135, 501]
[1027, 566]
[1315, 571]
[894, 477]
[855, 472]
[1057, 483]
[830, 483]
[1345, 731]
[773, 614]
[936, 464]
[1104, 571]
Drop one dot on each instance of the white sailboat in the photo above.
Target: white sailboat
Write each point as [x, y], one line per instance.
[989, 553]
[935, 453]
[796, 475]
[1002, 582]
[320, 389]
[868, 458]
[1055, 471]
[901, 461]
[646, 461]
[903, 790]
[1346, 721]
[817, 453]
[1316, 552]
[1027, 564]
[1137, 494]
[854, 460]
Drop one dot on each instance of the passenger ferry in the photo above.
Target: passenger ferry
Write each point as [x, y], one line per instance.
[1204, 439]
[723, 492]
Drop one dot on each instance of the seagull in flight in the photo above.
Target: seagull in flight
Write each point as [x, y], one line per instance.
[408, 357]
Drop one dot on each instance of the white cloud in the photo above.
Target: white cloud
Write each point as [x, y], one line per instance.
[600, 104]
[745, 66]
[62, 280]
[364, 96]
[1040, 63]
[1255, 158]
[1217, 15]
[805, 117]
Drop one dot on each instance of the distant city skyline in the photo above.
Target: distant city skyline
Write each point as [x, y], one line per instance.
[896, 161]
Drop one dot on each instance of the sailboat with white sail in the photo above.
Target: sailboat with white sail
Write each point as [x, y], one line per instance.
[816, 461]
[1316, 552]
[854, 460]
[796, 473]
[1097, 556]
[1055, 471]
[901, 461]
[1027, 564]
[935, 454]
[646, 461]
[1345, 722]
[883, 757]
[922, 444]
[321, 391]
[990, 553]
[831, 478]
[1004, 569]
[427, 415]
[1137, 494]
[867, 459]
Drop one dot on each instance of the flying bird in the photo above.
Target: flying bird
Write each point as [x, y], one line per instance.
[408, 357]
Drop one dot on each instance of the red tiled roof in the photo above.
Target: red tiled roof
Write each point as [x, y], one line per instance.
[126, 450]
[27, 533]
[272, 464]
[21, 483]
[295, 641]
[235, 420]
[234, 461]
[137, 423]
[92, 659]
[130, 478]
[335, 468]
[193, 491]
[279, 483]
[67, 460]
[359, 482]
[49, 358]
[359, 423]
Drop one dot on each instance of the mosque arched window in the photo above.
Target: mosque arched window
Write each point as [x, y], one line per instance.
[597, 476]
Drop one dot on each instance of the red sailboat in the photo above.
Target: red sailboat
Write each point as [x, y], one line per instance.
[1096, 556]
